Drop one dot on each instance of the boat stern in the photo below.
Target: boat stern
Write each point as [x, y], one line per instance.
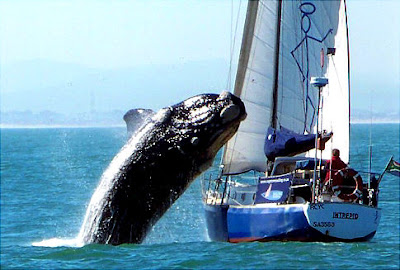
[343, 221]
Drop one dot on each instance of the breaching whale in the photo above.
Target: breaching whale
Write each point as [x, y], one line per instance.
[156, 166]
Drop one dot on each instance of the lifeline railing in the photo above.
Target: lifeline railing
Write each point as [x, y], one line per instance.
[225, 191]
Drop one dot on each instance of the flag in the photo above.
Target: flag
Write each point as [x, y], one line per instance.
[393, 167]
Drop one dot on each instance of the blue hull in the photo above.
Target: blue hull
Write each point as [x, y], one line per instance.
[264, 223]
[216, 218]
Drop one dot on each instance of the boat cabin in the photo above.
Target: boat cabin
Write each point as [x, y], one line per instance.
[291, 181]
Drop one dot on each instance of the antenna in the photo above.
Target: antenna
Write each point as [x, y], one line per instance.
[319, 82]
[370, 141]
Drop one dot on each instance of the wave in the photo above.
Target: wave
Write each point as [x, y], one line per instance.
[59, 242]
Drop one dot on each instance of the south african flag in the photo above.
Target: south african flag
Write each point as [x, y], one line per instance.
[393, 167]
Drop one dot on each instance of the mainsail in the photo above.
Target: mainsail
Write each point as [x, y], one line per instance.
[284, 44]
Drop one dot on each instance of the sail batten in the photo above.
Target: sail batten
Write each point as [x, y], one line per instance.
[281, 50]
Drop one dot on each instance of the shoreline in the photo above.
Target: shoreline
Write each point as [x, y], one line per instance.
[7, 126]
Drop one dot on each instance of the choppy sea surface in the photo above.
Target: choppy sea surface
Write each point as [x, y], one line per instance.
[49, 175]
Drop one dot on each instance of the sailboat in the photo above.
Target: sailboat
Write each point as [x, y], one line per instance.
[293, 77]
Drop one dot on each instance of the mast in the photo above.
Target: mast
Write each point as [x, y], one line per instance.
[276, 75]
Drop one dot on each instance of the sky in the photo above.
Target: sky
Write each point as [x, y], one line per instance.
[113, 34]
[51, 51]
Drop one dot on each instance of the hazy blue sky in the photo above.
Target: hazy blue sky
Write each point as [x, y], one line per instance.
[99, 36]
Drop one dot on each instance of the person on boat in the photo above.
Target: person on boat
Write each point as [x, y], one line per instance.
[334, 165]
[343, 181]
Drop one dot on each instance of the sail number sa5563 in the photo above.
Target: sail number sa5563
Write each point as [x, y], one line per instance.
[323, 224]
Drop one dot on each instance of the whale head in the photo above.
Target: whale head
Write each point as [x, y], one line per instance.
[199, 126]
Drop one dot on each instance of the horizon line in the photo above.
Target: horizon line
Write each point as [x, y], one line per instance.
[41, 126]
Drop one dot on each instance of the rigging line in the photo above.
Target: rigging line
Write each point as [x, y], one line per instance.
[230, 73]
[229, 164]
[332, 60]
[233, 43]
[228, 83]
[248, 33]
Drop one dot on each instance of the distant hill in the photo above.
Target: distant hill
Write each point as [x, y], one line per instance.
[49, 119]
[41, 92]
[365, 116]
[68, 88]
[115, 118]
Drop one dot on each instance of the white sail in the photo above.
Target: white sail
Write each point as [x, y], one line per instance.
[335, 114]
[254, 84]
[281, 51]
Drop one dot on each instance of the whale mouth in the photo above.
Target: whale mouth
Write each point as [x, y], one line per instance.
[230, 116]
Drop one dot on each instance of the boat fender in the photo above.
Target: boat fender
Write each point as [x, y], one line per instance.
[357, 193]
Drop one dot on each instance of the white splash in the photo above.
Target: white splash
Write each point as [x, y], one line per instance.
[98, 202]
[58, 242]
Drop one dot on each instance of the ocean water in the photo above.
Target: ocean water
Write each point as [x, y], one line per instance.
[49, 175]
